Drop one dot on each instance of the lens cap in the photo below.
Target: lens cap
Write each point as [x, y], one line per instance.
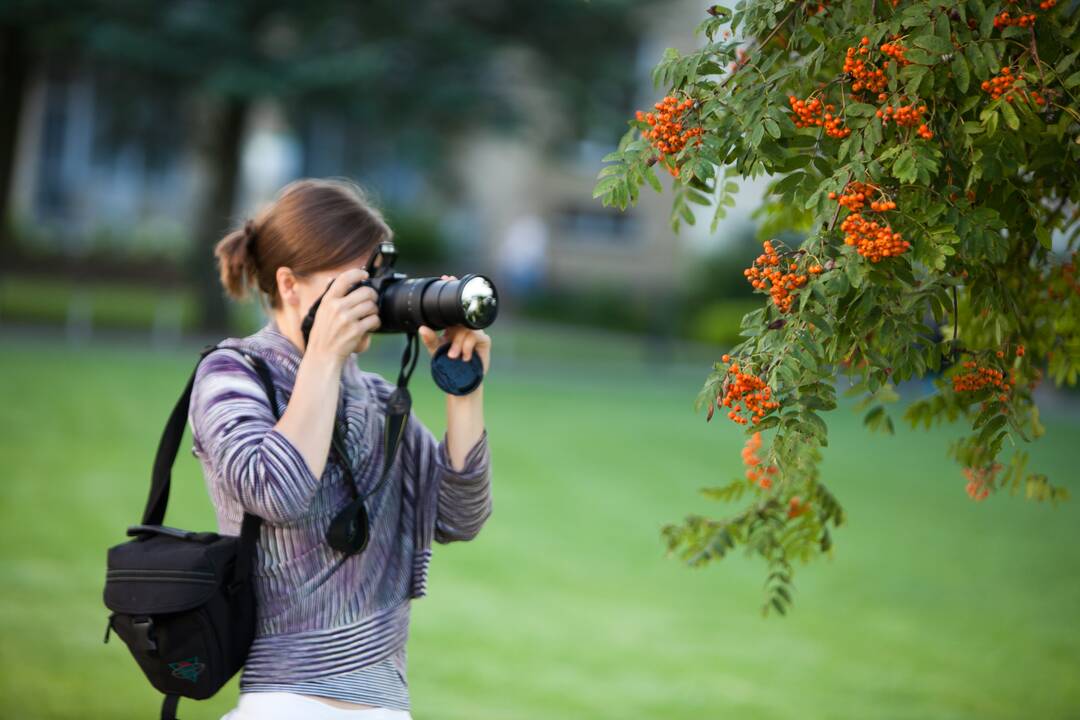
[456, 376]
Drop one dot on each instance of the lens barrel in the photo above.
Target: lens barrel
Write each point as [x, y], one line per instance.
[407, 304]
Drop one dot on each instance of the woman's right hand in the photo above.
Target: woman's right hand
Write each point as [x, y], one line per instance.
[345, 320]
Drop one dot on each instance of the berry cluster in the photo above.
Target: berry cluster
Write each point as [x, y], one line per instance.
[1004, 84]
[980, 480]
[1055, 289]
[1068, 273]
[669, 132]
[1004, 19]
[864, 75]
[1047, 4]
[854, 196]
[749, 390]
[769, 273]
[979, 377]
[896, 51]
[873, 240]
[796, 507]
[906, 116]
[755, 473]
[811, 113]
[1000, 84]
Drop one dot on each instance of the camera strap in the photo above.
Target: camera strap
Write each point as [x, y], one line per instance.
[350, 529]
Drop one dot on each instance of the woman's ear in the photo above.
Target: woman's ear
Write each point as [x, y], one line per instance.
[287, 286]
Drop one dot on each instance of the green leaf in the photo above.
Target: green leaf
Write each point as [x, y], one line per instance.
[687, 214]
[905, 169]
[1066, 62]
[933, 43]
[912, 76]
[606, 185]
[1043, 236]
[1010, 116]
[654, 182]
[978, 62]
[756, 134]
[960, 72]
[860, 110]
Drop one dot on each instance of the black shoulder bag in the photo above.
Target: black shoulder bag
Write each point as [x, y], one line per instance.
[183, 601]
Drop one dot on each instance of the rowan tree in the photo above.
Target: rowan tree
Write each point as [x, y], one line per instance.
[929, 157]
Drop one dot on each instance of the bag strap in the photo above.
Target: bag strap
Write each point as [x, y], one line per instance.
[168, 706]
[161, 481]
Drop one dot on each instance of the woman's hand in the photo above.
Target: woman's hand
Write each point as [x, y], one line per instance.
[463, 341]
[345, 320]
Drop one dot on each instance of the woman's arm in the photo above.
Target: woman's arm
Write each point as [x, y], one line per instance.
[234, 430]
[464, 424]
[341, 323]
[455, 474]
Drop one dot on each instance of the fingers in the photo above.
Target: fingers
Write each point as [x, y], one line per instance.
[369, 324]
[467, 346]
[360, 295]
[430, 339]
[341, 284]
[457, 339]
[362, 310]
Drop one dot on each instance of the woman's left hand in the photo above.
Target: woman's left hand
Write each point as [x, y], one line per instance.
[464, 341]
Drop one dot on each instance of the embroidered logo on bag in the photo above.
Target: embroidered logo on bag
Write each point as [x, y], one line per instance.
[189, 669]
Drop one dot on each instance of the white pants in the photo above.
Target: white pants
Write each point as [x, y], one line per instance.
[292, 706]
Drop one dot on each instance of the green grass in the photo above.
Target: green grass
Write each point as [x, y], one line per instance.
[565, 606]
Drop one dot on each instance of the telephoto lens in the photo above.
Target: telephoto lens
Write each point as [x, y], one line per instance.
[408, 303]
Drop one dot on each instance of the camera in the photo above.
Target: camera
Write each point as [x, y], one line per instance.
[406, 303]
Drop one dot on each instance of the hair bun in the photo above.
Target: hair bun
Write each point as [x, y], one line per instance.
[250, 236]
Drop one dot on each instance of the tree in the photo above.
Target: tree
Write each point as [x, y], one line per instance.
[413, 78]
[930, 156]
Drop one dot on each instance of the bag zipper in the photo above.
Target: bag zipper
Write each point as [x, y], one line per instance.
[196, 576]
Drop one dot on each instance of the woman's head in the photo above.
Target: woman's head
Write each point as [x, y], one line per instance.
[297, 244]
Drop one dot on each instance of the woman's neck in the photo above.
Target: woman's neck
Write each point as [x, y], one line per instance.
[289, 326]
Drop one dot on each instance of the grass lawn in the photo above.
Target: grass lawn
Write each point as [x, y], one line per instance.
[565, 606]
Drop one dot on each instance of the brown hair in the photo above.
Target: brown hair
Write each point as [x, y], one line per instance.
[313, 225]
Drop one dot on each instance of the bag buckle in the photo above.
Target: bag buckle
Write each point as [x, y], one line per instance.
[144, 634]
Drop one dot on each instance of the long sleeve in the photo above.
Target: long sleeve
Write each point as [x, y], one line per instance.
[464, 498]
[233, 427]
[452, 505]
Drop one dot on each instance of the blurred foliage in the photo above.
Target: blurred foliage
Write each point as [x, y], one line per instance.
[403, 83]
[424, 74]
[419, 240]
[599, 305]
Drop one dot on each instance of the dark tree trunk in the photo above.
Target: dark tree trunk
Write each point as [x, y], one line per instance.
[219, 136]
[14, 68]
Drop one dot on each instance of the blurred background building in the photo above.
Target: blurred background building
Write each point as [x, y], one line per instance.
[135, 135]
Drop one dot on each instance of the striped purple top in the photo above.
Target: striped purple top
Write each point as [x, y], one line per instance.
[328, 624]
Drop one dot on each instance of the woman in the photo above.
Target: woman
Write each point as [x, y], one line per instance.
[331, 629]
